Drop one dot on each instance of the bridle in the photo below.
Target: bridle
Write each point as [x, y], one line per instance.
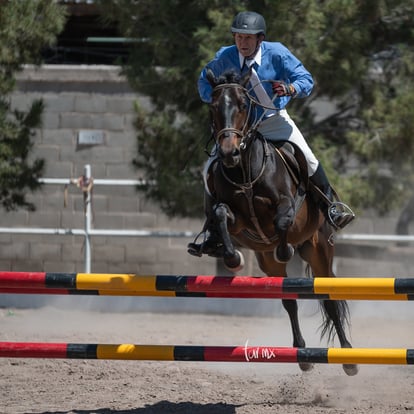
[247, 135]
[246, 131]
[243, 132]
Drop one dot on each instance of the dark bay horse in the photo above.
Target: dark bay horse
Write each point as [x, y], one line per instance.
[262, 202]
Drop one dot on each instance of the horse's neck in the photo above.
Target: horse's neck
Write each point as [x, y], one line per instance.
[252, 164]
[253, 161]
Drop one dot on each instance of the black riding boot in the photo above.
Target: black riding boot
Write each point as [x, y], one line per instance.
[336, 213]
[212, 243]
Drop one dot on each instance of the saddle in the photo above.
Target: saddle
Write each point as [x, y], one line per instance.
[297, 167]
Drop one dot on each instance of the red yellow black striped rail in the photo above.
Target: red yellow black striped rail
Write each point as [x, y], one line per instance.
[207, 353]
[207, 286]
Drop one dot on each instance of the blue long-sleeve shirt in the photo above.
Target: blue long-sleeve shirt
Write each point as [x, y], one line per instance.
[273, 62]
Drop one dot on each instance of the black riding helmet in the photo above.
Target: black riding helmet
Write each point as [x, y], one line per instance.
[249, 22]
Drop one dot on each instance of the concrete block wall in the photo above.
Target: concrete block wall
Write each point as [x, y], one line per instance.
[88, 98]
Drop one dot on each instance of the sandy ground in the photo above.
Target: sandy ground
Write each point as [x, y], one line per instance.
[142, 387]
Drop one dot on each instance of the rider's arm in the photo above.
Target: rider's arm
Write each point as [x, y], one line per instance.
[297, 75]
[204, 87]
[226, 58]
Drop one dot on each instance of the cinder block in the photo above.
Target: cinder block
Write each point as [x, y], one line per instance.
[43, 251]
[124, 170]
[44, 219]
[62, 102]
[14, 250]
[60, 266]
[108, 253]
[58, 169]
[108, 221]
[50, 120]
[90, 103]
[125, 204]
[46, 152]
[72, 220]
[65, 137]
[144, 253]
[123, 104]
[75, 120]
[19, 218]
[28, 265]
[140, 221]
[109, 122]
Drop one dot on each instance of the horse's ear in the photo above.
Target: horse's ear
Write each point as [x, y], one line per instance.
[211, 78]
[244, 80]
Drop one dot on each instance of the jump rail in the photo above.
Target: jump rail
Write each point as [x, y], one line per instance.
[207, 353]
[207, 286]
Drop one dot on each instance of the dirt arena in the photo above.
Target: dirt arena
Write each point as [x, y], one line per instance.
[140, 387]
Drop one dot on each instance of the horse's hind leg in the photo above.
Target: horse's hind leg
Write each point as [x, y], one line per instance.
[272, 268]
[337, 313]
[319, 254]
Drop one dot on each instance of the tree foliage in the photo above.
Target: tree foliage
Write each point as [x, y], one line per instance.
[360, 54]
[25, 28]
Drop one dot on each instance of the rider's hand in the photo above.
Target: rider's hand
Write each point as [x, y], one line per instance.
[281, 88]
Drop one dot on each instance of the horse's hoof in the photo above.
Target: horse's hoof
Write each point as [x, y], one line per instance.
[194, 249]
[350, 369]
[306, 366]
[285, 256]
[234, 263]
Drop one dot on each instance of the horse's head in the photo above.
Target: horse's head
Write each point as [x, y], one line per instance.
[229, 109]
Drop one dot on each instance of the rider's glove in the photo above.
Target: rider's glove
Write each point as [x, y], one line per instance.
[281, 88]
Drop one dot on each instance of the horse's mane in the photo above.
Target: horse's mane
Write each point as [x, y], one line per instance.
[230, 76]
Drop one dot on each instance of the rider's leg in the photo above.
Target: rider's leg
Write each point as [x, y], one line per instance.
[282, 127]
[337, 217]
[211, 243]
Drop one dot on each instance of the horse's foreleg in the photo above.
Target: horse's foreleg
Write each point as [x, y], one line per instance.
[291, 307]
[233, 259]
[282, 222]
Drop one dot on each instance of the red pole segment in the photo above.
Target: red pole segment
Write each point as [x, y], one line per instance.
[27, 279]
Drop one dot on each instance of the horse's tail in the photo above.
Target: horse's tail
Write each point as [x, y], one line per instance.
[327, 327]
[328, 307]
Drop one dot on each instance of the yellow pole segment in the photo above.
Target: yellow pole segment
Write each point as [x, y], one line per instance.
[124, 282]
[350, 285]
[349, 296]
[136, 352]
[367, 356]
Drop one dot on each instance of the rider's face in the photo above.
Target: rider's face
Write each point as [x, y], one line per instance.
[247, 43]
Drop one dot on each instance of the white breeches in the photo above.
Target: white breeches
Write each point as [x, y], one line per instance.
[281, 127]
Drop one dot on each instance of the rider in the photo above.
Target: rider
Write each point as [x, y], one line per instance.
[270, 60]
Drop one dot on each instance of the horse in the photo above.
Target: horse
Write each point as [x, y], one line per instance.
[263, 202]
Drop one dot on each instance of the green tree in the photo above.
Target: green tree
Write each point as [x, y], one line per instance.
[360, 54]
[25, 28]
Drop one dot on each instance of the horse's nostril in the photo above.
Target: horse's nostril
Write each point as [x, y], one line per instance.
[236, 152]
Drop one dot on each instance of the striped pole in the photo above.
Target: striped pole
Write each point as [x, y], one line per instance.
[207, 353]
[207, 286]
